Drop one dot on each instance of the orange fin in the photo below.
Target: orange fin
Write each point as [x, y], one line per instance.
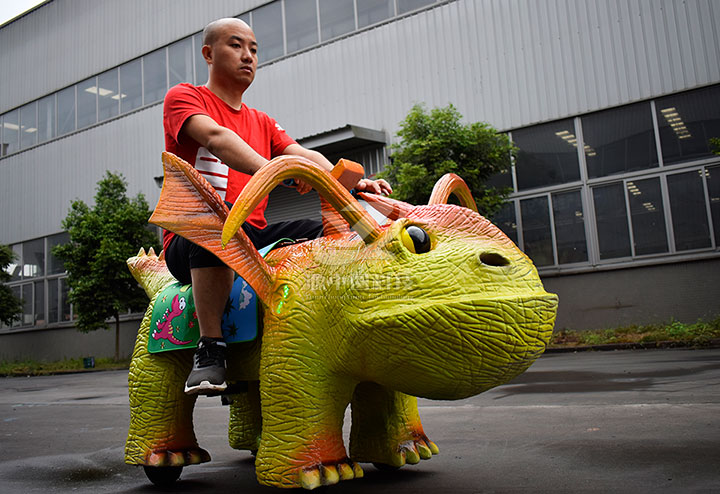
[190, 207]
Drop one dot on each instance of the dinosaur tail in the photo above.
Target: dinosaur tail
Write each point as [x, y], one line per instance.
[150, 271]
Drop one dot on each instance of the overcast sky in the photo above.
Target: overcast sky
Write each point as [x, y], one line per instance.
[10, 9]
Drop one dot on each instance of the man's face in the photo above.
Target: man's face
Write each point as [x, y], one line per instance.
[234, 54]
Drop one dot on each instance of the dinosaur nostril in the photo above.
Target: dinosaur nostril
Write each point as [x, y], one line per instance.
[493, 259]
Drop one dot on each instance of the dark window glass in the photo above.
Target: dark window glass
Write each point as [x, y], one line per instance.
[39, 302]
[301, 24]
[87, 103]
[337, 17]
[647, 216]
[10, 134]
[28, 125]
[547, 155]
[201, 68]
[712, 175]
[569, 227]
[17, 293]
[65, 314]
[53, 299]
[619, 140]
[689, 213]
[130, 86]
[373, 11]
[537, 238]
[408, 5]
[55, 265]
[14, 269]
[154, 76]
[66, 111]
[500, 180]
[108, 94]
[612, 225]
[28, 317]
[46, 118]
[34, 258]
[267, 25]
[687, 122]
[180, 62]
[505, 220]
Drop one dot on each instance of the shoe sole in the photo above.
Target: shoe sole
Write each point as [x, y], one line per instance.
[205, 387]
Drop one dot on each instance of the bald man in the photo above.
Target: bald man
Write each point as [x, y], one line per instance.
[226, 141]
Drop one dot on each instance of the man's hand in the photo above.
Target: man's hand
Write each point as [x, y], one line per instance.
[374, 186]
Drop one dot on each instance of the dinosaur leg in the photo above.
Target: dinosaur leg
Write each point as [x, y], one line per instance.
[245, 418]
[161, 430]
[302, 416]
[386, 427]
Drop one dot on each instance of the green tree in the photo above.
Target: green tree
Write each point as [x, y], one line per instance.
[715, 144]
[10, 305]
[437, 142]
[102, 238]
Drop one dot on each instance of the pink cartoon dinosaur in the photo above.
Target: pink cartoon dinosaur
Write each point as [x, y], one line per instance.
[164, 326]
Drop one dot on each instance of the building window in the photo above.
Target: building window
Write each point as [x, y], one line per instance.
[686, 123]
[647, 216]
[66, 110]
[201, 68]
[10, 132]
[154, 76]
[87, 103]
[46, 118]
[712, 176]
[505, 220]
[28, 125]
[688, 208]
[547, 155]
[180, 62]
[404, 6]
[130, 86]
[611, 220]
[267, 25]
[536, 230]
[301, 24]
[569, 222]
[619, 140]
[108, 95]
[371, 12]
[337, 17]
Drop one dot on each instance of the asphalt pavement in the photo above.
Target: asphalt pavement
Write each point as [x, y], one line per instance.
[625, 421]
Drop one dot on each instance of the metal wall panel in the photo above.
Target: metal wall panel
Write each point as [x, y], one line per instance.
[64, 41]
[509, 62]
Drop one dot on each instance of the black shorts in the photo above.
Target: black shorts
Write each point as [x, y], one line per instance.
[182, 255]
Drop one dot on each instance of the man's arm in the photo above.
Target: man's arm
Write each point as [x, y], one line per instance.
[223, 143]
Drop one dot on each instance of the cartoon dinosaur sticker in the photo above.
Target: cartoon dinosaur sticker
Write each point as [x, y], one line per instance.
[164, 326]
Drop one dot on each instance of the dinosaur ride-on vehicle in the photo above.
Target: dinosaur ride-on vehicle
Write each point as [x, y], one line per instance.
[393, 302]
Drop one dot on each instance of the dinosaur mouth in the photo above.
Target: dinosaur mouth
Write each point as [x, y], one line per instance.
[458, 348]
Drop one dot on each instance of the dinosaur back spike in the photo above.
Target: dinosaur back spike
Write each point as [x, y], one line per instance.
[151, 272]
[190, 207]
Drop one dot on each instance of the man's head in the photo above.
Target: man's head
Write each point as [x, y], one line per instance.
[230, 50]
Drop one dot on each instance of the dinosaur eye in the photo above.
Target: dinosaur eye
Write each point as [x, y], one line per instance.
[415, 239]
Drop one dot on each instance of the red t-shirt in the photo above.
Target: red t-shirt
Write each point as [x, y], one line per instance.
[257, 129]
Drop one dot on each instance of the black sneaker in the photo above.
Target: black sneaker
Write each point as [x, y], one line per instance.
[208, 373]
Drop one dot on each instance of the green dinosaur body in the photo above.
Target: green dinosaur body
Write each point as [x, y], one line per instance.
[351, 321]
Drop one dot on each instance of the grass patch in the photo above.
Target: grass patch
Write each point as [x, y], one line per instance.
[697, 334]
[35, 368]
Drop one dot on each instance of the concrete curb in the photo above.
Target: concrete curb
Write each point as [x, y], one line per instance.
[715, 343]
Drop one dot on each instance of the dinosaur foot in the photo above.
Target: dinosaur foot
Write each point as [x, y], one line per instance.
[330, 473]
[166, 458]
[406, 452]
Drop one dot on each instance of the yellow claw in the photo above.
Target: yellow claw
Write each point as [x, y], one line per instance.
[424, 451]
[310, 479]
[345, 471]
[358, 471]
[433, 447]
[176, 459]
[411, 455]
[330, 475]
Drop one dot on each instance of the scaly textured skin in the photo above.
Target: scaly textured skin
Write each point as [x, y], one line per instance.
[350, 318]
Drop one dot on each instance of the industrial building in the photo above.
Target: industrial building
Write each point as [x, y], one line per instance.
[612, 104]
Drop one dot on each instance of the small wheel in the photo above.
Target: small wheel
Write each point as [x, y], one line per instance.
[384, 467]
[162, 475]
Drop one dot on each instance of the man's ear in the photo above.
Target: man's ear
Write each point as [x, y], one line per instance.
[206, 51]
